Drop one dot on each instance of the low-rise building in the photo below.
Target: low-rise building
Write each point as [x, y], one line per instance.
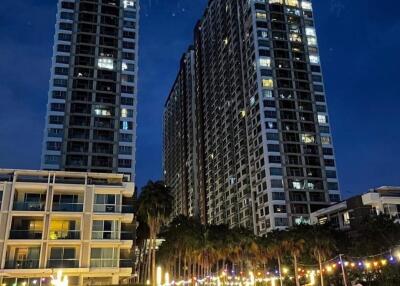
[80, 223]
[382, 200]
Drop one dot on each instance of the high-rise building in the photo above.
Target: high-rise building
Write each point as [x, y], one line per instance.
[79, 223]
[264, 157]
[91, 112]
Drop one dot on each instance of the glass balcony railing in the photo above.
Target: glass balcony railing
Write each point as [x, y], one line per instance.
[25, 234]
[64, 234]
[125, 263]
[67, 207]
[104, 263]
[113, 235]
[63, 263]
[126, 235]
[100, 208]
[22, 264]
[28, 206]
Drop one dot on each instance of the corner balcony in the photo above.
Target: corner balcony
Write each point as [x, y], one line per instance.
[22, 264]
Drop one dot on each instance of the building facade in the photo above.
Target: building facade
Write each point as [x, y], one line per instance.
[80, 223]
[264, 155]
[91, 112]
[353, 211]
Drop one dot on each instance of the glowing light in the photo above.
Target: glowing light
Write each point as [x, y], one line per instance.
[59, 280]
[166, 278]
[285, 270]
[329, 268]
[312, 278]
[367, 265]
[384, 262]
[159, 275]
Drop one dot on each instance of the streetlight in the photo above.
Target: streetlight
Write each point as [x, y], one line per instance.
[59, 280]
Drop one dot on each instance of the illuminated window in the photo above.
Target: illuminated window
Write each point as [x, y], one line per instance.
[312, 41]
[307, 138]
[326, 140]
[310, 31]
[268, 83]
[295, 38]
[265, 62]
[129, 4]
[294, 3]
[102, 111]
[322, 119]
[261, 15]
[262, 34]
[275, 1]
[314, 59]
[126, 113]
[296, 185]
[105, 63]
[306, 5]
[267, 93]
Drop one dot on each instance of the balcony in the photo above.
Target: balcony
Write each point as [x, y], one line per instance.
[25, 234]
[112, 235]
[63, 263]
[28, 206]
[22, 264]
[65, 234]
[68, 207]
[101, 208]
[125, 263]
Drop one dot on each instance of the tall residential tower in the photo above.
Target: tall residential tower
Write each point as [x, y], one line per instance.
[264, 157]
[91, 112]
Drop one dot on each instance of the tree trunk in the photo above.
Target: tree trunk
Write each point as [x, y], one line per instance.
[149, 254]
[296, 275]
[179, 264]
[153, 265]
[320, 269]
[280, 270]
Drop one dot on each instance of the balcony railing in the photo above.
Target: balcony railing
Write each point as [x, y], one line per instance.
[63, 263]
[28, 206]
[106, 235]
[104, 263]
[126, 235]
[63, 234]
[22, 264]
[100, 208]
[125, 263]
[25, 234]
[67, 207]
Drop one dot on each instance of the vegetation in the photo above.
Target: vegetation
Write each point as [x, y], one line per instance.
[190, 249]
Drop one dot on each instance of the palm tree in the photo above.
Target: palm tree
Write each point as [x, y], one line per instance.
[155, 207]
[295, 246]
[276, 249]
[322, 246]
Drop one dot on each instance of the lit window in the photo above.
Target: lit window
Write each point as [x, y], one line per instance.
[126, 113]
[129, 4]
[306, 5]
[326, 140]
[102, 111]
[265, 62]
[105, 63]
[314, 59]
[275, 1]
[268, 83]
[294, 3]
[296, 185]
[322, 119]
[261, 15]
[307, 138]
[252, 101]
[310, 31]
[312, 41]
[267, 93]
[124, 66]
[295, 38]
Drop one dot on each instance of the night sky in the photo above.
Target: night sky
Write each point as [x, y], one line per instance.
[359, 42]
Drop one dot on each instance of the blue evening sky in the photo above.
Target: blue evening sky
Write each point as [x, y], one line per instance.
[359, 42]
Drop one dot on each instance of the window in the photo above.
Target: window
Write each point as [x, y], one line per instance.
[105, 63]
[130, 14]
[314, 59]
[55, 132]
[126, 113]
[324, 129]
[331, 174]
[66, 26]
[306, 5]
[278, 196]
[125, 150]
[321, 108]
[125, 125]
[60, 107]
[267, 93]
[53, 146]
[261, 15]
[333, 186]
[267, 83]
[53, 119]
[128, 78]
[275, 171]
[127, 101]
[58, 94]
[129, 24]
[322, 119]
[334, 198]
[67, 16]
[307, 138]
[129, 4]
[126, 137]
[63, 48]
[273, 136]
[124, 163]
[310, 31]
[276, 184]
[279, 209]
[62, 257]
[262, 34]
[105, 229]
[274, 159]
[312, 41]
[104, 257]
[326, 140]
[64, 37]
[61, 71]
[60, 82]
[52, 159]
[265, 62]
[273, 148]
[62, 59]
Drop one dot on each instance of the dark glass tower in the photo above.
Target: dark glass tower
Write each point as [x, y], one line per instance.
[264, 153]
[91, 113]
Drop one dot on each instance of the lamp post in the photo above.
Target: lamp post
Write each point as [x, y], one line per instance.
[343, 271]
